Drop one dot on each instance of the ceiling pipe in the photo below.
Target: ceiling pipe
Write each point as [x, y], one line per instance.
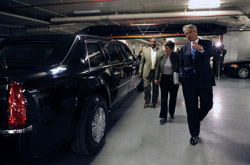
[229, 22]
[45, 10]
[127, 17]
[245, 20]
[56, 4]
[25, 18]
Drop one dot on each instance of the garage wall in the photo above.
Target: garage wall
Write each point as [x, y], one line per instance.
[237, 45]
[244, 45]
[135, 46]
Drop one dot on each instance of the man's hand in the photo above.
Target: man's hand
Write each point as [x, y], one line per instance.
[156, 82]
[140, 75]
[196, 46]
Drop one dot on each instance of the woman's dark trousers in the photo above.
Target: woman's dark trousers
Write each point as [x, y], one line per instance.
[168, 88]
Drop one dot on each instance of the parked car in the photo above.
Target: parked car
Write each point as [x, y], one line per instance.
[238, 68]
[58, 88]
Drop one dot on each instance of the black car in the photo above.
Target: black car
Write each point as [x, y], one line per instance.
[58, 88]
[238, 68]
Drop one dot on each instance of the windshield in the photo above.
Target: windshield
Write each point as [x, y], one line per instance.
[33, 53]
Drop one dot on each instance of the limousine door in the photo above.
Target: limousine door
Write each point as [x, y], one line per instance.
[132, 66]
[119, 80]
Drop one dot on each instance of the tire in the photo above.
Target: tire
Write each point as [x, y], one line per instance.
[243, 72]
[93, 124]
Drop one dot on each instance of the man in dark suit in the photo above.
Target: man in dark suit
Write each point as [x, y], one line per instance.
[197, 79]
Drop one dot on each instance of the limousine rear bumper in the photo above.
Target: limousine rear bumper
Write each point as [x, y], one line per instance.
[14, 144]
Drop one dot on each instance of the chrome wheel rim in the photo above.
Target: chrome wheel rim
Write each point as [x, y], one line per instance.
[243, 73]
[98, 125]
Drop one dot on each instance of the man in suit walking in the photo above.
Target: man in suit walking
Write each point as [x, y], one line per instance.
[147, 71]
[197, 79]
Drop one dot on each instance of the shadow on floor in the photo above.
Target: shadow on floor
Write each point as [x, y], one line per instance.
[231, 149]
[178, 119]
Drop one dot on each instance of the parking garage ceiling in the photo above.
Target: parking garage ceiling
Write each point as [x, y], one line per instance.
[120, 18]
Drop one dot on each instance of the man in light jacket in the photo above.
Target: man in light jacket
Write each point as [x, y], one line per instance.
[147, 71]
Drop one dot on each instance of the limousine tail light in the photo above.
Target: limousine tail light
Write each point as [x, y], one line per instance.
[16, 109]
[234, 65]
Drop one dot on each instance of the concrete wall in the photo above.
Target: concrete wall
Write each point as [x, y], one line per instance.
[237, 45]
[135, 45]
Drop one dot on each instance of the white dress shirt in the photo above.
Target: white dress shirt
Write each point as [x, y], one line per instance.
[153, 57]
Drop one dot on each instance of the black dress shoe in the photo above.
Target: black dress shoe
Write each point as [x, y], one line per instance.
[194, 140]
[172, 116]
[163, 121]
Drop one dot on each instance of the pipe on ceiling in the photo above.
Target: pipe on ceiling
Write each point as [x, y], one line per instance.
[23, 17]
[245, 20]
[28, 5]
[57, 4]
[127, 17]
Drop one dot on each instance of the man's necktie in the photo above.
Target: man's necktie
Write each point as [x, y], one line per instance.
[193, 56]
[193, 52]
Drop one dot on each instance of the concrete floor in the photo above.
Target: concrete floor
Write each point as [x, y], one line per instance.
[137, 138]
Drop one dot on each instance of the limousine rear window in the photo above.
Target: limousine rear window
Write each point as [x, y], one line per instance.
[114, 55]
[95, 55]
[33, 53]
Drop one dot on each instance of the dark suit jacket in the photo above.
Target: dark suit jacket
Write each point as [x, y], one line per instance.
[201, 65]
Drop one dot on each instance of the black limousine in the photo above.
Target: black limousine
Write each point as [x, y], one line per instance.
[59, 88]
[239, 68]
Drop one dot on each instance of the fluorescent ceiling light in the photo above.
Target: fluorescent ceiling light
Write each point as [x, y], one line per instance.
[201, 4]
[87, 11]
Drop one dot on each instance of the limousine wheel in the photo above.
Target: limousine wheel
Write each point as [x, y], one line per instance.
[93, 127]
[243, 72]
